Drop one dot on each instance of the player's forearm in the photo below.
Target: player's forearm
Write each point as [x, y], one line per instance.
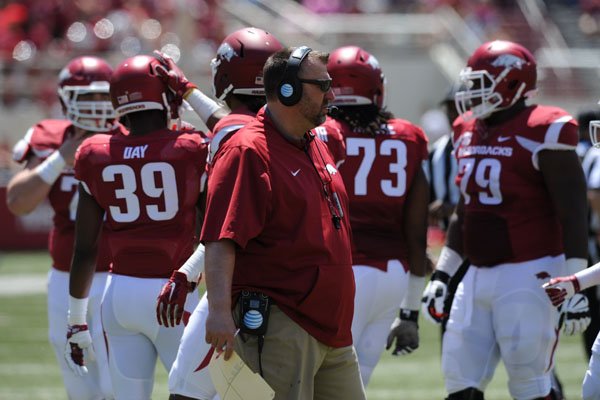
[206, 108]
[25, 192]
[454, 234]
[83, 267]
[416, 212]
[589, 277]
[219, 266]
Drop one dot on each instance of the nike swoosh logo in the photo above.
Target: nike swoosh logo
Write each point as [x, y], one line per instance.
[294, 173]
[503, 138]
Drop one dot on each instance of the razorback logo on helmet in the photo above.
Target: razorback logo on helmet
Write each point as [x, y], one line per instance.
[508, 61]
[226, 51]
[373, 62]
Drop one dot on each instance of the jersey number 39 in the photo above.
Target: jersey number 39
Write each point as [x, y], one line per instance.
[166, 191]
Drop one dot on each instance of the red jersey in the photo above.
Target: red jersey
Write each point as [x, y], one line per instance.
[509, 216]
[330, 133]
[149, 186]
[267, 195]
[377, 172]
[226, 127]
[40, 141]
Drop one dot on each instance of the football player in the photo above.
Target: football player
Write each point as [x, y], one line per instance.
[388, 194]
[237, 81]
[563, 288]
[48, 150]
[521, 219]
[148, 185]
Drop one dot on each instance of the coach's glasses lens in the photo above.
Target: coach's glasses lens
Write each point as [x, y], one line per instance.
[323, 84]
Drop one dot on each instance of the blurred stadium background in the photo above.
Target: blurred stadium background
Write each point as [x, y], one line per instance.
[421, 46]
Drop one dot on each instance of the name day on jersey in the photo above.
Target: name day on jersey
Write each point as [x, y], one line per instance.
[134, 152]
[485, 151]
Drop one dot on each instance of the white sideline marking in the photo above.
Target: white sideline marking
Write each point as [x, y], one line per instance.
[18, 285]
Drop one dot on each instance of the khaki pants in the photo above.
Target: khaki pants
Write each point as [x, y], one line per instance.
[297, 366]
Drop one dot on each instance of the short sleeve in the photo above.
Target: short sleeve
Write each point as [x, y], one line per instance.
[238, 196]
[561, 134]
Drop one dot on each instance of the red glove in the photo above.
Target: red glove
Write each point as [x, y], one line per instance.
[171, 300]
[561, 288]
[174, 77]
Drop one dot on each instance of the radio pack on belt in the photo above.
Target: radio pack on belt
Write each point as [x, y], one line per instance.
[254, 312]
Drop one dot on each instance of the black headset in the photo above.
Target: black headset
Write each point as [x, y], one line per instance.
[289, 89]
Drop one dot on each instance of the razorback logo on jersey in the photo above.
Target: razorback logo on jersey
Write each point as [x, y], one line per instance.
[542, 275]
[508, 61]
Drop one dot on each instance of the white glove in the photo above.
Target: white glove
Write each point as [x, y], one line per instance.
[79, 348]
[434, 295]
[405, 329]
[575, 314]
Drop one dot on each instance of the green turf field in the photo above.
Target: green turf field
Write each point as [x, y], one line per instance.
[28, 369]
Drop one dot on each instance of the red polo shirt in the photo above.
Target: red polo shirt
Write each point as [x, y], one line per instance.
[267, 195]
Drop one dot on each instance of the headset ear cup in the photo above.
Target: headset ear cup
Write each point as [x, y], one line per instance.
[289, 92]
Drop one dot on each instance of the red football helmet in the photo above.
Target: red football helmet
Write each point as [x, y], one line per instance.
[84, 76]
[497, 75]
[238, 65]
[357, 77]
[135, 86]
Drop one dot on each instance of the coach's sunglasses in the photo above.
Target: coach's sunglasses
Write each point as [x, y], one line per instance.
[323, 84]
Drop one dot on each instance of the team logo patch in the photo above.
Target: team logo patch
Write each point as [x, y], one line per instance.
[508, 61]
[331, 169]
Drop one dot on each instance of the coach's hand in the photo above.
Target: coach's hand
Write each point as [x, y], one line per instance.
[432, 303]
[171, 300]
[79, 348]
[405, 330]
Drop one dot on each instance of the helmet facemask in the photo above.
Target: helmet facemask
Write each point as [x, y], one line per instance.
[90, 115]
[595, 133]
[479, 96]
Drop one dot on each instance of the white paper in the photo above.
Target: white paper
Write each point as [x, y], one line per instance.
[235, 381]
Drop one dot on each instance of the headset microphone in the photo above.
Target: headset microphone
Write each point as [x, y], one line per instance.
[332, 111]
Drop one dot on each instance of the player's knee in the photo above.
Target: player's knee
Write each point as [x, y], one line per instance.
[466, 394]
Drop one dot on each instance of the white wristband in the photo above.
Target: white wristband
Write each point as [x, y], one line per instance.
[194, 265]
[449, 261]
[77, 311]
[574, 265]
[51, 168]
[203, 105]
[414, 292]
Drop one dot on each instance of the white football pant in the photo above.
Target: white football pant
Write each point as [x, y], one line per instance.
[376, 304]
[503, 313]
[135, 339]
[591, 381]
[94, 385]
[189, 375]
